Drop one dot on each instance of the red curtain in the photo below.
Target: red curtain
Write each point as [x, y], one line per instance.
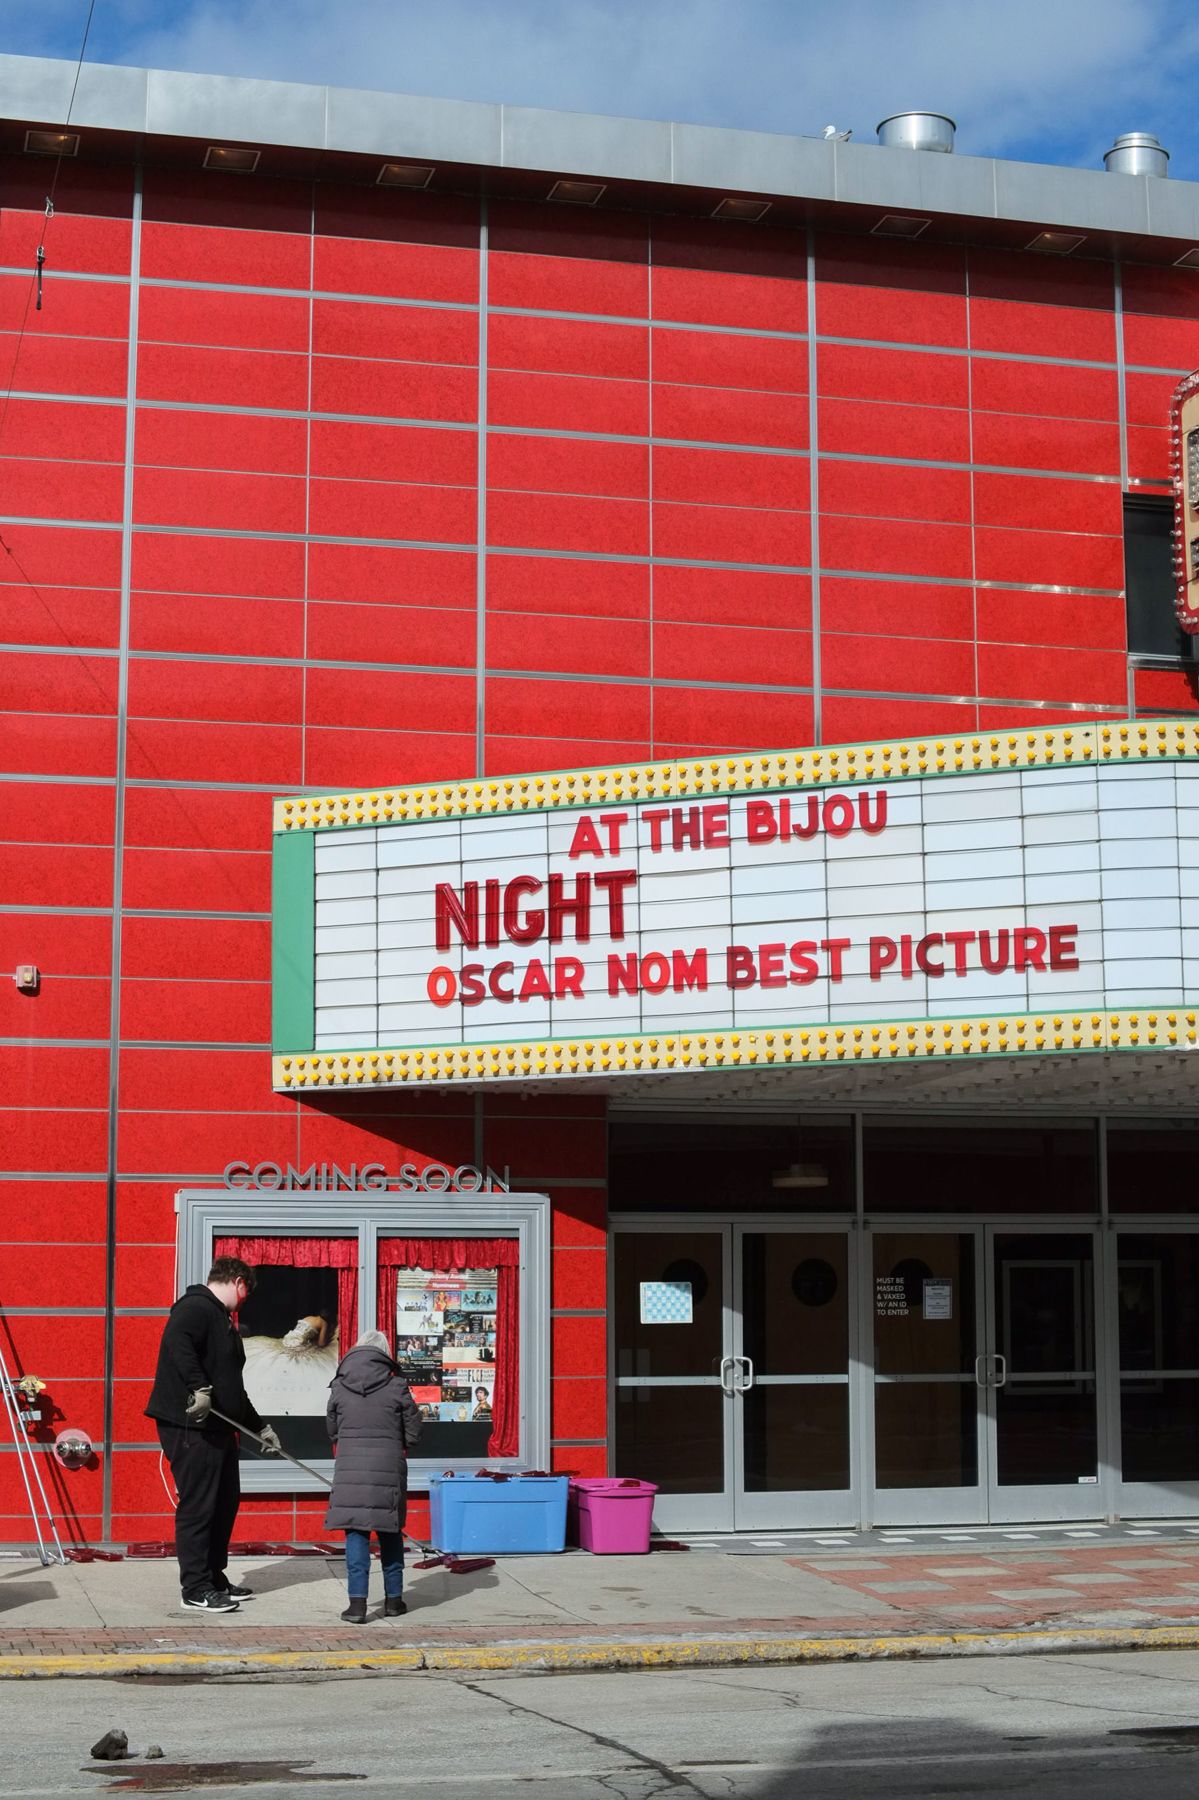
[308, 1253]
[443, 1255]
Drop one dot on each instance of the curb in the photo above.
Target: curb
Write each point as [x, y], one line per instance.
[596, 1658]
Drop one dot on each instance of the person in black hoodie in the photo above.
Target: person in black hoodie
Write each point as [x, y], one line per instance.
[200, 1363]
[374, 1422]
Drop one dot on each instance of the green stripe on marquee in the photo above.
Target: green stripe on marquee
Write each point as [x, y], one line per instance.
[293, 942]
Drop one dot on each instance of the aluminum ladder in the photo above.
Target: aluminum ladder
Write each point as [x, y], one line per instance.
[16, 1405]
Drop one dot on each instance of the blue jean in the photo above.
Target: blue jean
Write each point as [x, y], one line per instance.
[358, 1563]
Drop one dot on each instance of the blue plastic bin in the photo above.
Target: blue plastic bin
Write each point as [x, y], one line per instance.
[524, 1514]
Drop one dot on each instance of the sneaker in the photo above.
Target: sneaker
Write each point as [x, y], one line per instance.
[236, 1593]
[211, 1602]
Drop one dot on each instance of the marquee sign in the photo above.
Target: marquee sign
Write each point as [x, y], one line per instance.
[1184, 457]
[1007, 893]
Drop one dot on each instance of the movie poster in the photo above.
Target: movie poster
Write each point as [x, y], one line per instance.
[445, 1346]
[289, 1328]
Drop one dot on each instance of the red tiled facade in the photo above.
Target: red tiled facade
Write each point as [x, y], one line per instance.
[321, 594]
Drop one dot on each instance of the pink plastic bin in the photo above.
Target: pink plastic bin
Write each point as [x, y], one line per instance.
[611, 1517]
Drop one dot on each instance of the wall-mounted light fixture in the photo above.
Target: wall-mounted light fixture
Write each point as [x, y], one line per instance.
[234, 159]
[748, 212]
[52, 143]
[577, 193]
[27, 977]
[1055, 243]
[404, 175]
[899, 225]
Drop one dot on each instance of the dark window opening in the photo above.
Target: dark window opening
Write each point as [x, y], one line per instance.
[767, 1163]
[1153, 628]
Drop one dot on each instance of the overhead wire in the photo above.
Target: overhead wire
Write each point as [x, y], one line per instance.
[64, 635]
[35, 281]
[35, 287]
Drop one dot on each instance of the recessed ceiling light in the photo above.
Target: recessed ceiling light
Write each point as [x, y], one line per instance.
[747, 211]
[577, 193]
[800, 1175]
[1055, 243]
[405, 175]
[52, 143]
[1188, 260]
[231, 158]
[899, 225]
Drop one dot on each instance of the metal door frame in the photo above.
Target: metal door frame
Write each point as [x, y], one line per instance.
[798, 1509]
[986, 1502]
[918, 1505]
[1137, 1499]
[730, 1509]
[681, 1512]
[1063, 1500]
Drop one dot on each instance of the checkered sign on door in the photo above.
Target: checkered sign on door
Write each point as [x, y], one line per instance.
[666, 1303]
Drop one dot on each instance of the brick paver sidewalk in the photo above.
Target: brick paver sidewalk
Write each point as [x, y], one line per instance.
[1108, 1583]
[570, 1609]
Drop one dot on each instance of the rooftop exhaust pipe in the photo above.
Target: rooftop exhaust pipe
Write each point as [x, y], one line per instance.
[1136, 153]
[918, 131]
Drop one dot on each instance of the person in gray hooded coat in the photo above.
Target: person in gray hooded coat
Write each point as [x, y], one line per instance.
[374, 1421]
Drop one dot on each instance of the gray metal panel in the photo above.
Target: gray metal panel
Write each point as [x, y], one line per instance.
[584, 144]
[35, 87]
[387, 125]
[405, 125]
[1174, 209]
[915, 180]
[871, 175]
[225, 106]
[751, 162]
[1081, 197]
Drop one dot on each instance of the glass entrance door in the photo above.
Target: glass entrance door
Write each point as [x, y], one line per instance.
[732, 1372]
[985, 1380]
[1157, 1330]
[790, 1378]
[1042, 1388]
[672, 1363]
[926, 1306]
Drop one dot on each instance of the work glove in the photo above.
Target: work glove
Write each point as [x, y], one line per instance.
[199, 1405]
[270, 1441]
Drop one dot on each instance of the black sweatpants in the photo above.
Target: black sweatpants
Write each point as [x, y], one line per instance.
[205, 1467]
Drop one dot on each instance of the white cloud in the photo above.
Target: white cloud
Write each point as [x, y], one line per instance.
[1056, 78]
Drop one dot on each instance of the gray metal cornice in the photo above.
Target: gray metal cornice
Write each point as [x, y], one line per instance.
[160, 104]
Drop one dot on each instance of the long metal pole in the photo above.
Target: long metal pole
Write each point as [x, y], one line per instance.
[270, 1449]
[425, 1549]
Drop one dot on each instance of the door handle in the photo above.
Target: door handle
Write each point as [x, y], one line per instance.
[727, 1365]
[748, 1380]
[1001, 1371]
[980, 1379]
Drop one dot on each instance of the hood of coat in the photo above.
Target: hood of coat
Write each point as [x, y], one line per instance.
[199, 1290]
[365, 1368]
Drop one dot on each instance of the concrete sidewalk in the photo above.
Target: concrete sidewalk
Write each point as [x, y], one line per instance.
[576, 1611]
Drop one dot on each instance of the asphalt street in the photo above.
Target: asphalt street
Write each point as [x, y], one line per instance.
[1043, 1726]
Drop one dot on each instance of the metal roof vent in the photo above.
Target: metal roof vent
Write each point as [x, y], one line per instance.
[1136, 153]
[917, 131]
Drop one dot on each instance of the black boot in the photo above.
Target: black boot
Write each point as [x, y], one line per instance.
[393, 1606]
[355, 1613]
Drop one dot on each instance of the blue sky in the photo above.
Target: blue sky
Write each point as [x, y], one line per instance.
[1039, 80]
